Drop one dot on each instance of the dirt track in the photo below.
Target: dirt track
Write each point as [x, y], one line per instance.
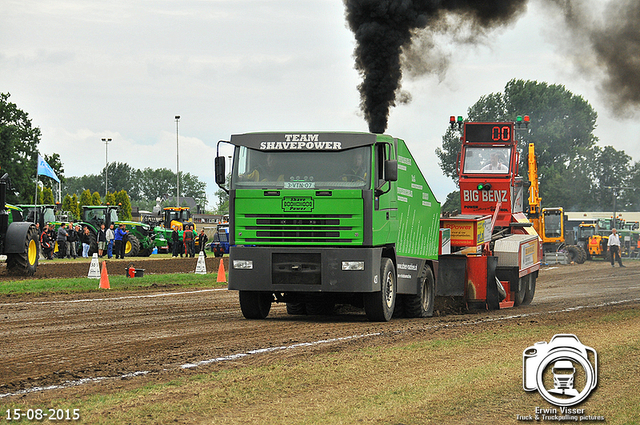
[120, 339]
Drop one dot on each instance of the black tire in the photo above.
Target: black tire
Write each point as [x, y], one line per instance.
[379, 305]
[518, 299]
[145, 252]
[421, 305]
[583, 255]
[26, 262]
[574, 254]
[296, 308]
[93, 244]
[531, 289]
[132, 246]
[255, 305]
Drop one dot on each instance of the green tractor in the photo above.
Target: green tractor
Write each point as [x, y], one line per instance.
[174, 217]
[141, 239]
[41, 214]
[19, 240]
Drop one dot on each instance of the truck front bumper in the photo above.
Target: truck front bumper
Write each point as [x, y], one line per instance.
[302, 269]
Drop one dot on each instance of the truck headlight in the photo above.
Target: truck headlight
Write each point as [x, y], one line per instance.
[352, 265]
[243, 264]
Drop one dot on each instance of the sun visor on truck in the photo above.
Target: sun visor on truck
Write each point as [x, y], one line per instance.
[303, 141]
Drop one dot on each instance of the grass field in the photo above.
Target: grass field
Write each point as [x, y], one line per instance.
[116, 282]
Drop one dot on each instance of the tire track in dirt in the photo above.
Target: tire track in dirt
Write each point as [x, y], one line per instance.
[50, 342]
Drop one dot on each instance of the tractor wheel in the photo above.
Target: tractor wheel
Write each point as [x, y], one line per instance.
[379, 305]
[583, 255]
[26, 263]
[146, 252]
[531, 289]
[255, 305]
[574, 253]
[132, 246]
[421, 305]
[93, 244]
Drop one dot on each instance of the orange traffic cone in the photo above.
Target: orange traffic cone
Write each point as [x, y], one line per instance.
[104, 277]
[222, 277]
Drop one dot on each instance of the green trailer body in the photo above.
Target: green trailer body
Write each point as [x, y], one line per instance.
[340, 218]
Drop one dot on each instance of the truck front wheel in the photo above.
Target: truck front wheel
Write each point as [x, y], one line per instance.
[379, 305]
[255, 305]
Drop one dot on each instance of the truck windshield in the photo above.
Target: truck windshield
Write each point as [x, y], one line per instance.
[480, 160]
[346, 169]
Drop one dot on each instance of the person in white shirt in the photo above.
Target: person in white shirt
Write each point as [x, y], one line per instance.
[614, 248]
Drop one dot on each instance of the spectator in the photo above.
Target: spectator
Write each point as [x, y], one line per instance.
[72, 239]
[187, 237]
[86, 241]
[202, 241]
[110, 235]
[175, 242]
[614, 248]
[120, 235]
[102, 240]
[45, 243]
[61, 240]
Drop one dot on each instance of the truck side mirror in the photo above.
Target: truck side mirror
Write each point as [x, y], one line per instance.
[220, 171]
[391, 170]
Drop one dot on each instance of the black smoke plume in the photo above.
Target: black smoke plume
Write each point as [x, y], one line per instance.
[605, 44]
[383, 29]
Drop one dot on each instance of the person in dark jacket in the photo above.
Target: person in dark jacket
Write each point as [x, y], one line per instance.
[45, 243]
[72, 240]
[61, 240]
[202, 241]
[175, 242]
[187, 237]
[102, 240]
[120, 240]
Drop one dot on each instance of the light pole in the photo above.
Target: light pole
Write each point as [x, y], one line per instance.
[177, 164]
[106, 166]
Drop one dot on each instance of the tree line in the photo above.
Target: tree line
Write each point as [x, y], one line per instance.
[574, 171]
[19, 141]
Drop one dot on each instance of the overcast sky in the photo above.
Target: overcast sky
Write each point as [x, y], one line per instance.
[87, 70]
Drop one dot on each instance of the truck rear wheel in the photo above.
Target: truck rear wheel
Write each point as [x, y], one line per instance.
[531, 290]
[255, 305]
[26, 262]
[421, 305]
[523, 282]
[379, 305]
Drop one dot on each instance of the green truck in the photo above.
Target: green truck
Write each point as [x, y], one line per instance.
[319, 219]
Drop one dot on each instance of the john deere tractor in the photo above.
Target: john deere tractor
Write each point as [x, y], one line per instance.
[174, 217]
[19, 240]
[141, 239]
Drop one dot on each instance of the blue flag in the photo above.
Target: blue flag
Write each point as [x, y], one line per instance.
[45, 169]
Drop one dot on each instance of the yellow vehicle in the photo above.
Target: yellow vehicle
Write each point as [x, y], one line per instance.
[549, 222]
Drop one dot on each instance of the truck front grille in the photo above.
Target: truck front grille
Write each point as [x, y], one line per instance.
[304, 228]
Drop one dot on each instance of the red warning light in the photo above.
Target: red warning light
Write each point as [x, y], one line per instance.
[452, 119]
[526, 118]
